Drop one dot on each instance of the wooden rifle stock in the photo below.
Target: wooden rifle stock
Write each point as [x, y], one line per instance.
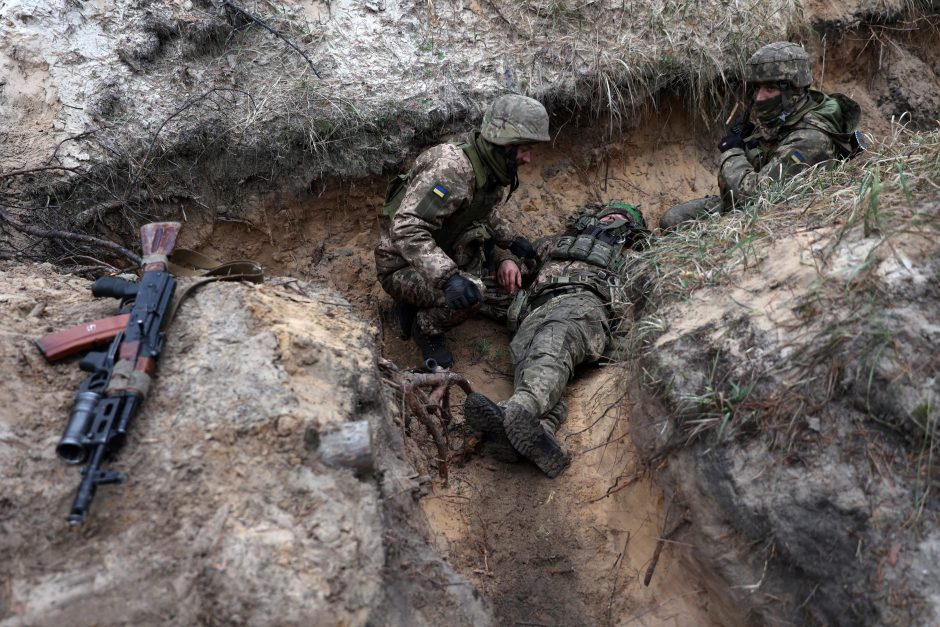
[81, 337]
[157, 242]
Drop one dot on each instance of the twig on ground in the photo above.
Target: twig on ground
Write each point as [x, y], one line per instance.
[83, 217]
[12, 173]
[615, 488]
[615, 570]
[665, 537]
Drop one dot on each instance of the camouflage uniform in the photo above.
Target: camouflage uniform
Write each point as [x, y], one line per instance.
[573, 306]
[410, 264]
[442, 217]
[817, 129]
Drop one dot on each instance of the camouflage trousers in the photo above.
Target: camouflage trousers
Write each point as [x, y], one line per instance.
[434, 316]
[690, 210]
[568, 329]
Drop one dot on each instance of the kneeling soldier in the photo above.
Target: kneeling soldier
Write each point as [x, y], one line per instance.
[442, 217]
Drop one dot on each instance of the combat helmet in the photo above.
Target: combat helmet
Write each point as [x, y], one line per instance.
[632, 231]
[513, 119]
[787, 66]
[634, 216]
[781, 61]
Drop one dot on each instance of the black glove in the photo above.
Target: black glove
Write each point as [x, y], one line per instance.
[461, 292]
[742, 127]
[731, 140]
[738, 130]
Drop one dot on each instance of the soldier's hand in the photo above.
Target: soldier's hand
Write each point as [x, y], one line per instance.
[731, 140]
[461, 293]
[509, 276]
[742, 126]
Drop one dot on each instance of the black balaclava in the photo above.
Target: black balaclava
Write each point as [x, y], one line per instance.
[774, 112]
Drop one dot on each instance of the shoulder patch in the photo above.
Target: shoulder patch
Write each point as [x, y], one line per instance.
[797, 157]
[432, 202]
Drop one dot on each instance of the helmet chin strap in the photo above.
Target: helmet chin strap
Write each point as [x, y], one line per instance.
[513, 169]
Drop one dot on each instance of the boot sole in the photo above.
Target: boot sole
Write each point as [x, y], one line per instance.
[480, 413]
[530, 439]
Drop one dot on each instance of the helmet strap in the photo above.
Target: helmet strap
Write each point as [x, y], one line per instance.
[512, 168]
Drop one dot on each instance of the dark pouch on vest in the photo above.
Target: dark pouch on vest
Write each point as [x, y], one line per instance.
[601, 254]
[582, 246]
[562, 246]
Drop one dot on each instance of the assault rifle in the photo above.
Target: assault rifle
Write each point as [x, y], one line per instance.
[120, 377]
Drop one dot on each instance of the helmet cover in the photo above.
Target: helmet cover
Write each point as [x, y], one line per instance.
[781, 61]
[513, 119]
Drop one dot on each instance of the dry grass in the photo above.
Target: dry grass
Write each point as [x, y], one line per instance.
[610, 58]
[845, 339]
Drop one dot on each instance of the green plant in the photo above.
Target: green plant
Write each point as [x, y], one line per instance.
[480, 349]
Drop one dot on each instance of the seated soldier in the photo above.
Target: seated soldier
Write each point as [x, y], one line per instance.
[795, 127]
[574, 304]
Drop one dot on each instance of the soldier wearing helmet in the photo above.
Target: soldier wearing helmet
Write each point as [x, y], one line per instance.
[788, 127]
[566, 317]
[442, 219]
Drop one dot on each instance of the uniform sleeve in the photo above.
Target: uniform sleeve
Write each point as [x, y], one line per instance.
[544, 245]
[801, 149]
[441, 182]
[502, 230]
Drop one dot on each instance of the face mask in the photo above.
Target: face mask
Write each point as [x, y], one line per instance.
[768, 111]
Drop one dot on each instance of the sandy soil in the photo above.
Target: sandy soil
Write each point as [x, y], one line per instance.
[569, 551]
[544, 552]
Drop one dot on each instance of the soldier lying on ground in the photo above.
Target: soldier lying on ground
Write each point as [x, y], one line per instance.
[574, 304]
[796, 127]
[441, 218]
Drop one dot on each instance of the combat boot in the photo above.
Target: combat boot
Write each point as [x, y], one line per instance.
[434, 351]
[405, 313]
[689, 210]
[485, 416]
[534, 440]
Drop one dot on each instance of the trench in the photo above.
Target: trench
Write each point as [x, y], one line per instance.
[570, 551]
[575, 550]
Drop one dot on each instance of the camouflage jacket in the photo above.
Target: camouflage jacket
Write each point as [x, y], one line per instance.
[809, 137]
[408, 237]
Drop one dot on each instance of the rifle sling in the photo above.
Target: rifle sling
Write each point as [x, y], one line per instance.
[189, 263]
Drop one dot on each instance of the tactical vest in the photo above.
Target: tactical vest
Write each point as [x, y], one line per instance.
[588, 242]
[487, 192]
[848, 141]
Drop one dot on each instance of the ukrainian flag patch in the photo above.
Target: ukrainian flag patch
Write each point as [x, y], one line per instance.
[432, 202]
[797, 157]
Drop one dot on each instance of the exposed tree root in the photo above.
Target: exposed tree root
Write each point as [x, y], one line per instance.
[78, 237]
[426, 395]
